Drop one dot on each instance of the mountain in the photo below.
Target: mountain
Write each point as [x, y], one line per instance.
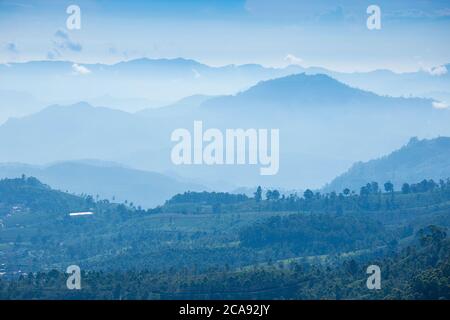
[182, 107]
[134, 84]
[59, 133]
[303, 90]
[17, 104]
[206, 230]
[107, 180]
[387, 82]
[418, 160]
[142, 83]
[325, 126]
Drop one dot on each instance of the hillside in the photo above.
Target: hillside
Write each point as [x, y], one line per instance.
[419, 159]
[203, 229]
[418, 272]
[103, 179]
[275, 240]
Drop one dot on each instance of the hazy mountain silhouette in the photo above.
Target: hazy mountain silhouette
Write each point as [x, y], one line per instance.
[325, 126]
[137, 81]
[302, 90]
[418, 160]
[106, 179]
[136, 84]
[182, 107]
[72, 132]
[17, 104]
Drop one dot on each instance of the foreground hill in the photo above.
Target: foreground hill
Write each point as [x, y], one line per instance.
[418, 272]
[205, 230]
[315, 246]
[419, 159]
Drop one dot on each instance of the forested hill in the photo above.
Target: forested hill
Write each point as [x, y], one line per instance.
[420, 272]
[419, 159]
[269, 237]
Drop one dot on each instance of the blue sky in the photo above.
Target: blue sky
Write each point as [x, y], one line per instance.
[331, 34]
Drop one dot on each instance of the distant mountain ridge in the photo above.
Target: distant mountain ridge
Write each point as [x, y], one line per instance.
[140, 83]
[418, 160]
[324, 129]
[108, 180]
[303, 90]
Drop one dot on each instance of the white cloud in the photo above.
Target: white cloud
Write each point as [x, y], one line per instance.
[440, 105]
[438, 71]
[291, 59]
[81, 70]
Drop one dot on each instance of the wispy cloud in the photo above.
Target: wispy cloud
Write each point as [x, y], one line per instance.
[327, 11]
[438, 71]
[63, 41]
[292, 59]
[12, 48]
[440, 105]
[80, 70]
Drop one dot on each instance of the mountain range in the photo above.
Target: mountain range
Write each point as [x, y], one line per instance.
[325, 126]
[141, 83]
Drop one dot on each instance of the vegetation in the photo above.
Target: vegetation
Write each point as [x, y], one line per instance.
[418, 272]
[220, 245]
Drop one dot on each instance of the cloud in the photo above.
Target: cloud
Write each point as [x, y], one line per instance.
[62, 34]
[12, 48]
[440, 105]
[64, 42]
[61, 43]
[438, 71]
[80, 70]
[336, 12]
[291, 59]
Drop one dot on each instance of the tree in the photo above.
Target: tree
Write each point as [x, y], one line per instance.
[374, 187]
[431, 235]
[272, 194]
[389, 187]
[364, 192]
[406, 188]
[346, 192]
[308, 194]
[258, 194]
[275, 194]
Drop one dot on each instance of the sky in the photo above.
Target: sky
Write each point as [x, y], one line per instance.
[414, 34]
